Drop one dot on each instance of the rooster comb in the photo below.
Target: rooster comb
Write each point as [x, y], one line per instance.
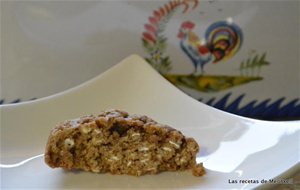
[188, 24]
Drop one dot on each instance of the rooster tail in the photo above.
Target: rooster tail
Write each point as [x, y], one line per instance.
[224, 40]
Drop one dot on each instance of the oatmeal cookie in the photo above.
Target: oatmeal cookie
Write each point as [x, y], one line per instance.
[119, 143]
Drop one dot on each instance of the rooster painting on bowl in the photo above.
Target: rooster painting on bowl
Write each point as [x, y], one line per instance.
[222, 40]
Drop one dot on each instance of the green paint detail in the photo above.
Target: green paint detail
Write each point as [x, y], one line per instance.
[209, 83]
[160, 63]
[253, 65]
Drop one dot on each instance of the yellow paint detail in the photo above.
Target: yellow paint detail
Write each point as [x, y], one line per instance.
[210, 83]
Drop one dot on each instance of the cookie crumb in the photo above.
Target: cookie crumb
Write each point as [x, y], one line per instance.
[198, 170]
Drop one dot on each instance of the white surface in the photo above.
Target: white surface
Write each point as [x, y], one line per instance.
[232, 147]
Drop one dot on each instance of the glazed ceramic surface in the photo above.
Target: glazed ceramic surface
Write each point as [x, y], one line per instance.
[239, 56]
[233, 148]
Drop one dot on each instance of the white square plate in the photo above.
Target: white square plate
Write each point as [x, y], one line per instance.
[232, 148]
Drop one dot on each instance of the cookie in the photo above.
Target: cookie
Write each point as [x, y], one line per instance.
[119, 143]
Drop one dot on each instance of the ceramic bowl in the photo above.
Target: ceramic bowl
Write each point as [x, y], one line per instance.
[238, 56]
